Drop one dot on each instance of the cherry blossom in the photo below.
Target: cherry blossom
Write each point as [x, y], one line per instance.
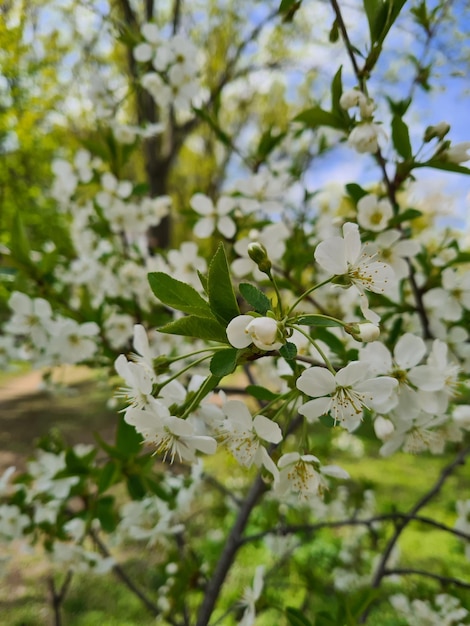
[346, 258]
[343, 395]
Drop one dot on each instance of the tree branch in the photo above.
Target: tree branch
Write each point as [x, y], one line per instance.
[234, 541]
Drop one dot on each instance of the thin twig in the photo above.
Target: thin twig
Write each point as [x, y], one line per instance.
[121, 574]
[294, 529]
[58, 597]
[382, 565]
[445, 580]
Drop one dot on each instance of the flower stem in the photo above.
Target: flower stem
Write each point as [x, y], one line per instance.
[306, 293]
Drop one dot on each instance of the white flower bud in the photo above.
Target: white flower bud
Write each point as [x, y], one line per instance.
[351, 98]
[364, 137]
[458, 153]
[364, 332]
[438, 130]
[264, 332]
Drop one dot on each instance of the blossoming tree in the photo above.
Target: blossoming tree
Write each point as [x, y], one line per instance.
[290, 323]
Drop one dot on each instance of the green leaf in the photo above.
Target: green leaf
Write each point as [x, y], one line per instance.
[111, 450]
[462, 257]
[318, 320]
[136, 487]
[296, 617]
[399, 107]
[128, 440]
[337, 92]
[106, 514]
[288, 351]
[202, 280]
[381, 15]
[178, 295]
[355, 191]
[260, 393]
[267, 143]
[316, 116]
[107, 476]
[75, 464]
[288, 8]
[334, 32]
[224, 362]
[193, 326]
[401, 138]
[445, 165]
[222, 298]
[406, 216]
[376, 12]
[258, 300]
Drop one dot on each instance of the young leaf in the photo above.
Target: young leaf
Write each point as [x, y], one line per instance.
[355, 191]
[178, 295]
[193, 326]
[220, 290]
[288, 8]
[316, 116]
[288, 351]
[224, 362]
[337, 91]
[258, 300]
[401, 138]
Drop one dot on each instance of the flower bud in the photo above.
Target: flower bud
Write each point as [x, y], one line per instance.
[365, 331]
[439, 130]
[264, 333]
[458, 153]
[258, 253]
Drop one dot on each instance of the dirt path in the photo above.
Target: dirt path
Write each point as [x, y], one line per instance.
[28, 412]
